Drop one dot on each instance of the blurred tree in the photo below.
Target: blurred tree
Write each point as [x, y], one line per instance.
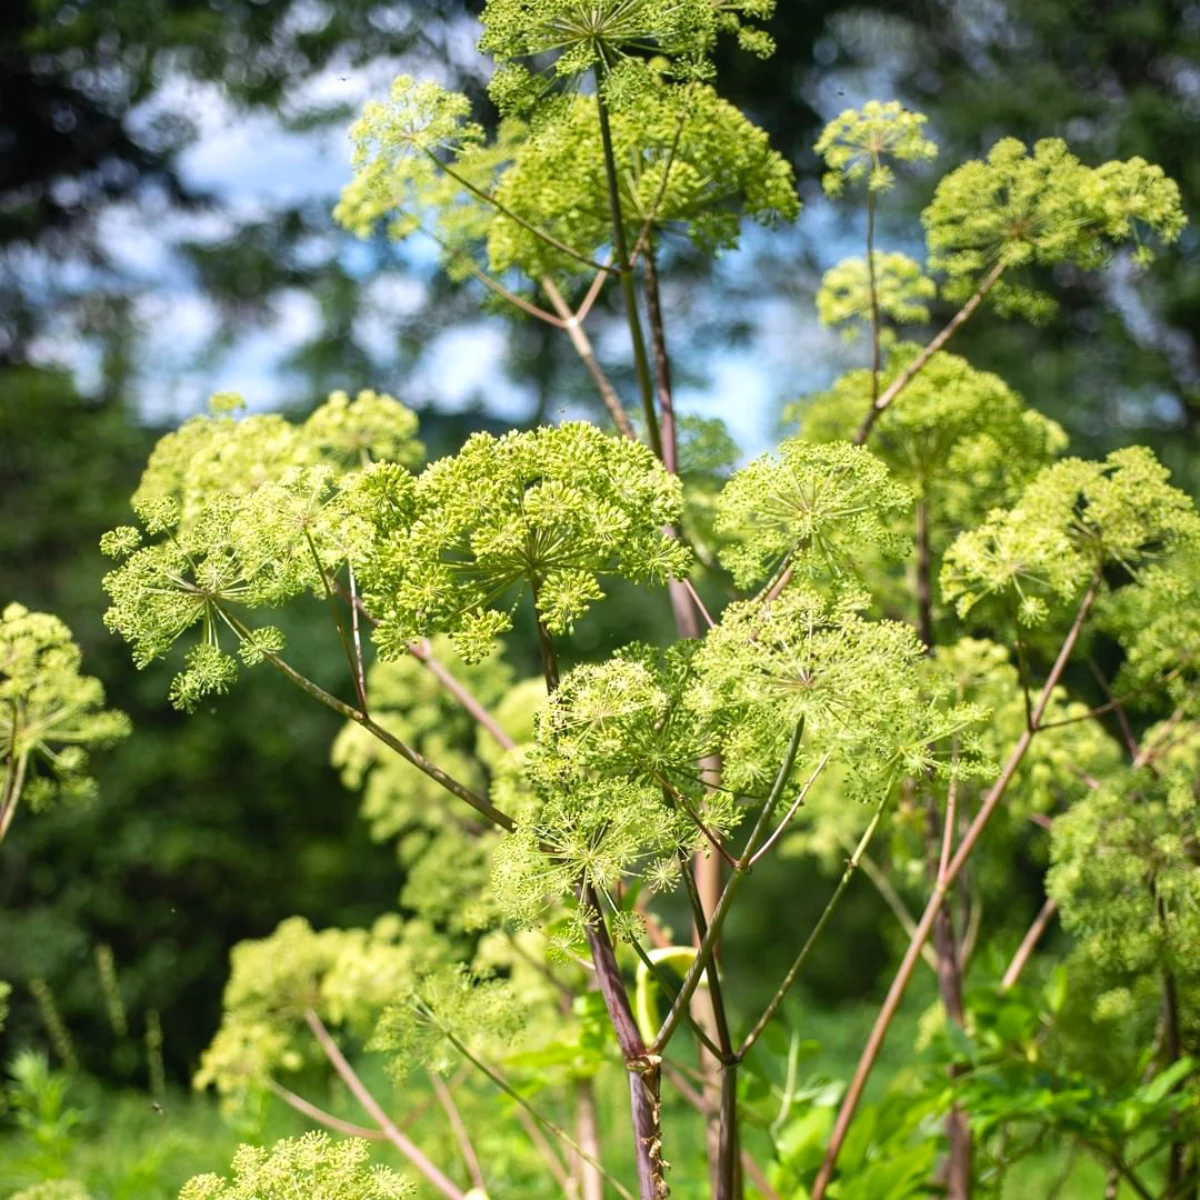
[1120, 364]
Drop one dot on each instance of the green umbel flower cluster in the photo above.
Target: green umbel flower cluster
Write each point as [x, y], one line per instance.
[1074, 519]
[859, 145]
[690, 162]
[397, 150]
[823, 504]
[902, 290]
[1125, 878]
[1019, 208]
[615, 771]
[50, 714]
[54, 1189]
[351, 979]
[958, 436]
[613, 38]
[549, 511]
[855, 684]
[976, 710]
[218, 455]
[251, 513]
[310, 1167]
[1158, 626]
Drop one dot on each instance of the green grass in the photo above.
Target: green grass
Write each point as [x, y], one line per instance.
[121, 1146]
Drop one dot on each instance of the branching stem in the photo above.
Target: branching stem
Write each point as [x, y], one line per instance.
[895, 994]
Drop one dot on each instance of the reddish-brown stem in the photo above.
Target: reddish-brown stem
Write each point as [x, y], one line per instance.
[727, 1181]
[910, 372]
[700, 607]
[873, 286]
[1131, 742]
[662, 361]
[697, 1101]
[479, 803]
[924, 576]
[895, 994]
[305, 1108]
[643, 1067]
[360, 670]
[1029, 942]
[422, 651]
[371, 1106]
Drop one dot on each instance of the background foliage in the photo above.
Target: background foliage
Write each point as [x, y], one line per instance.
[207, 831]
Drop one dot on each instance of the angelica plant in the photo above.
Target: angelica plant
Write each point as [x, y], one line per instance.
[878, 630]
[51, 715]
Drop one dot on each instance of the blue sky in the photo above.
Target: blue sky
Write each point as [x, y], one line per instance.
[253, 164]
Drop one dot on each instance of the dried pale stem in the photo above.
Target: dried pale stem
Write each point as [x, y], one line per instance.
[593, 293]
[587, 1129]
[454, 1117]
[359, 1090]
[307, 1109]
[582, 344]
[900, 984]
[1029, 942]
[914, 368]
